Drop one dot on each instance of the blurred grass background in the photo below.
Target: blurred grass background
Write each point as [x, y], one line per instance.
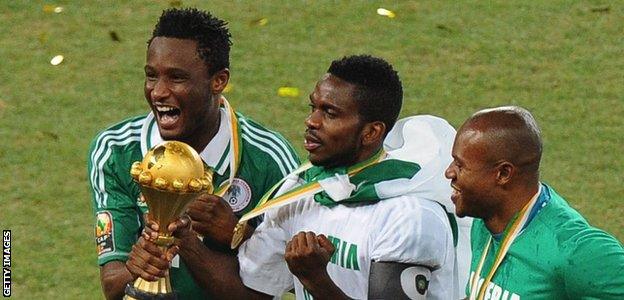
[562, 60]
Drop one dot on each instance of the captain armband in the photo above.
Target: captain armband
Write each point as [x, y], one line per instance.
[392, 280]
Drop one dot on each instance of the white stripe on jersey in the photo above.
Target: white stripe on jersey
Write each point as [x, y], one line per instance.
[270, 139]
[103, 143]
[107, 135]
[101, 146]
[109, 151]
[268, 151]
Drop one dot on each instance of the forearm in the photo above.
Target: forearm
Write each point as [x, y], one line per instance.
[216, 272]
[114, 276]
[322, 287]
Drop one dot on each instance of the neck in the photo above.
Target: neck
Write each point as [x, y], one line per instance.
[511, 205]
[209, 131]
[366, 154]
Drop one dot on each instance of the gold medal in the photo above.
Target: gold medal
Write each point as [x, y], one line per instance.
[239, 233]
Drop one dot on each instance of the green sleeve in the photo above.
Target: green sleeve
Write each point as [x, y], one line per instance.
[594, 267]
[118, 218]
[288, 160]
[274, 174]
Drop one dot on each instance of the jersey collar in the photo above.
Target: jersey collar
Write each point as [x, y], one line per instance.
[215, 154]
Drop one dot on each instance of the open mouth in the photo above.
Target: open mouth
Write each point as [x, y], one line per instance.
[167, 115]
[311, 142]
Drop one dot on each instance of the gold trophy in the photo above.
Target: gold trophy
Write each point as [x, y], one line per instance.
[170, 176]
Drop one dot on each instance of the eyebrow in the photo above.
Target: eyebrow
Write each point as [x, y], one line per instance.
[327, 104]
[168, 71]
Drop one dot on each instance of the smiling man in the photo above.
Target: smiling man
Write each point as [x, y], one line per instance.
[348, 224]
[527, 242]
[186, 70]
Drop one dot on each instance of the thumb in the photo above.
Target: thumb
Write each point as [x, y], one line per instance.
[325, 244]
[182, 223]
[172, 252]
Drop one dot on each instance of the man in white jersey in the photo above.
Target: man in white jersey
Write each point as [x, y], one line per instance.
[350, 224]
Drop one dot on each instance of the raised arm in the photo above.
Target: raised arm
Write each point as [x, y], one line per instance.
[215, 271]
[307, 256]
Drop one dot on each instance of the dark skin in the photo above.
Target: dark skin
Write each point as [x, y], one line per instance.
[307, 256]
[334, 118]
[335, 133]
[176, 79]
[215, 271]
[495, 168]
[212, 218]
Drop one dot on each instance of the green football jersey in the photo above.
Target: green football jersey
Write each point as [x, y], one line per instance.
[266, 157]
[558, 255]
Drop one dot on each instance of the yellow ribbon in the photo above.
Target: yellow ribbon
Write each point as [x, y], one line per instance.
[293, 195]
[235, 147]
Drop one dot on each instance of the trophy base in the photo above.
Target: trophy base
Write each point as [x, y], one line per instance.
[134, 293]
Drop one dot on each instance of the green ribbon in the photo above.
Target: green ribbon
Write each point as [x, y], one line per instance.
[364, 180]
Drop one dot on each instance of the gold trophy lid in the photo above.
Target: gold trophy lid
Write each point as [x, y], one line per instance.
[172, 166]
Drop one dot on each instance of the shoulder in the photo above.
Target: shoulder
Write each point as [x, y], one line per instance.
[591, 261]
[411, 230]
[267, 146]
[413, 210]
[565, 223]
[578, 241]
[123, 137]
[124, 132]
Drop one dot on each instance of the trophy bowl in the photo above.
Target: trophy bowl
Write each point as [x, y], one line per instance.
[170, 176]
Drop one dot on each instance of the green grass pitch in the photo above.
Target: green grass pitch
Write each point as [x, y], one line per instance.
[563, 60]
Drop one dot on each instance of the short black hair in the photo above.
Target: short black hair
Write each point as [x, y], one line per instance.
[210, 33]
[379, 92]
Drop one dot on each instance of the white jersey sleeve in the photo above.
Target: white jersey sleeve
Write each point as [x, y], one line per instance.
[261, 257]
[261, 260]
[418, 232]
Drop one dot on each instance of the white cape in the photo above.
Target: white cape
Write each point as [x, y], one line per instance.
[428, 140]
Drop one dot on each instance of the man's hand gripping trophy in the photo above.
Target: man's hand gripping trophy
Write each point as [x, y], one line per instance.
[171, 175]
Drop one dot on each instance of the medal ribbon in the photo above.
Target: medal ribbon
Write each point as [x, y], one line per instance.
[234, 149]
[302, 191]
[518, 223]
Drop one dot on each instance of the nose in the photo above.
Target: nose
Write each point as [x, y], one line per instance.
[159, 90]
[450, 171]
[313, 120]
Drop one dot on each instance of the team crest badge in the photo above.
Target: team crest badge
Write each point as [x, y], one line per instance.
[421, 284]
[104, 233]
[238, 195]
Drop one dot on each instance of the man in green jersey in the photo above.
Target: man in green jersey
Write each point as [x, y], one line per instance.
[527, 242]
[186, 71]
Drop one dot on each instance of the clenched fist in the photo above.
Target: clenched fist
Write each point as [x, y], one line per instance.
[213, 218]
[307, 254]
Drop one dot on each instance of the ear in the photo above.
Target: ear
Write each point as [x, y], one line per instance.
[505, 172]
[373, 133]
[219, 81]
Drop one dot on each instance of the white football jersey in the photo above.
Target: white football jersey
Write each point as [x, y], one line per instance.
[403, 229]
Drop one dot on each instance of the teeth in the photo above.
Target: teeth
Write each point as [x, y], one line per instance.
[164, 108]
